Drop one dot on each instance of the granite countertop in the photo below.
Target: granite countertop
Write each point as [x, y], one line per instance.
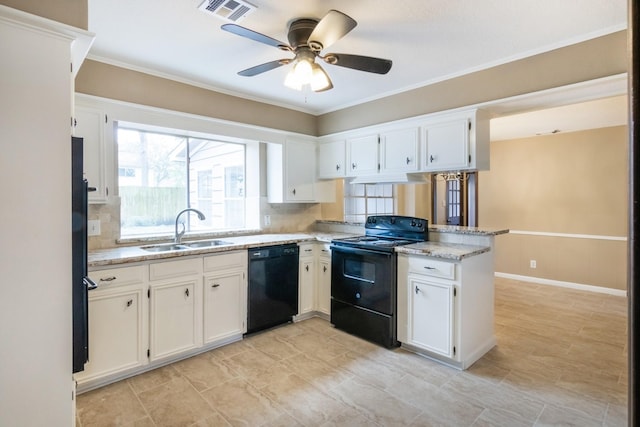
[477, 231]
[132, 254]
[454, 229]
[452, 251]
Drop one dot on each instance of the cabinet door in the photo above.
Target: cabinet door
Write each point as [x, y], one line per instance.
[323, 300]
[447, 145]
[331, 159]
[399, 151]
[300, 164]
[117, 332]
[175, 314]
[223, 302]
[306, 285]
[89, 125]
[362, 155]
[432, 315]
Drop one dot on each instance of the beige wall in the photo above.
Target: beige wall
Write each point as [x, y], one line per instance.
[108, 81]
[596, 58]
[574, 183]
[70, 12]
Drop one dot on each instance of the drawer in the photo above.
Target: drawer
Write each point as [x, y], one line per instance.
[307, 249]
[324, 249]
[119, 276]
[225, 261]
[432, 267]
[172, 269]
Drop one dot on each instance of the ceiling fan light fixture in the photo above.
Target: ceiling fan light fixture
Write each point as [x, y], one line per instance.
[292, 81]
[320, 80]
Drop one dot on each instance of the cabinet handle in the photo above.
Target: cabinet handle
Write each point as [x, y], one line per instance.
[417, 290]
[215, 285]
[294, 191]
[108, 279]
[129, 303]
[324, 268]
[306, 267]
[431, 158]
[426, 267]
[337, 167]
[186, 292]
[408, 160]
[353, 166]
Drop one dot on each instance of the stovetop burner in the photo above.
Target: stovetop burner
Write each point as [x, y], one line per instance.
[385, 232]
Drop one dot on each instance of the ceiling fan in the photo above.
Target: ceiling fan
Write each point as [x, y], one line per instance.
[307, 38]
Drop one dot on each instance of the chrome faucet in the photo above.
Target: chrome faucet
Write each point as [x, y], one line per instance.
[178, 235]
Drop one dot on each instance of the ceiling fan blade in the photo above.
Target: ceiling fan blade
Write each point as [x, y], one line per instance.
[330, 29]
[253, 35]
[267, 66]
[358, 62]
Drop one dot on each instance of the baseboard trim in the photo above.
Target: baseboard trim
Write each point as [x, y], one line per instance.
[571, 285]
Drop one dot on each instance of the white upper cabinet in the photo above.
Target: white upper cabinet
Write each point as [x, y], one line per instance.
[458, 141]
[331, 159]
[362, 155]
[291, 171]
[90, 125]
[291, 174]
[399, 150]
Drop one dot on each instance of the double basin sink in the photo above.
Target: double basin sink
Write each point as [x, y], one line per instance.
[167, 247]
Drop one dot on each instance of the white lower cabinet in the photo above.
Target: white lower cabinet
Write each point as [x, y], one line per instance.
[225, 296]
[314, 285]
[142, 316]
[306, 279]
[118, 323]
[431, 315]
[175, 317]
[323, 294]
[445, 307]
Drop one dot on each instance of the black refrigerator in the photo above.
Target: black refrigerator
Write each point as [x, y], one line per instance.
[80, 280]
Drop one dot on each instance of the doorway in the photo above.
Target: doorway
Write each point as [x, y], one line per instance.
[455, 198]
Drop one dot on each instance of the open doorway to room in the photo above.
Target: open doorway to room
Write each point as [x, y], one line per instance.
[455, 199]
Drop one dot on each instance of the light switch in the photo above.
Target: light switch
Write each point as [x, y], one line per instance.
[93, 227]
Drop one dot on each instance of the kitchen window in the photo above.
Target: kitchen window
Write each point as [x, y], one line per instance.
[164, 172]
[362, 200]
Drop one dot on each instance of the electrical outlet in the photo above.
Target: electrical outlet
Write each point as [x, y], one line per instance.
[93, 227]
[267, 220]
[532, 263]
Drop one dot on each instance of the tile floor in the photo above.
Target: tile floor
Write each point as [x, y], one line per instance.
[561, 359]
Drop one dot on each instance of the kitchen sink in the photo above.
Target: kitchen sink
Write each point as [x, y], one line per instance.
[167, 247]
[164, 248]
[206, 243]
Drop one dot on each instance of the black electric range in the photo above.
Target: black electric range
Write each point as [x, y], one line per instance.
[363, 276]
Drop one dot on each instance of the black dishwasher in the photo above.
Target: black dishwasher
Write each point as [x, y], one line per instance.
[273, 286]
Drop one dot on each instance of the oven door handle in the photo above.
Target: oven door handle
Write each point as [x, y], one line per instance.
[359, 279]
[359, 251]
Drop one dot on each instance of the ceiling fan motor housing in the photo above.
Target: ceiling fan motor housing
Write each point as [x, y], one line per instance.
[300, 30]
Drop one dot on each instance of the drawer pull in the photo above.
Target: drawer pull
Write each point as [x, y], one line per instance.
[129, 303]
[215, 285]
[429, 268]
[186, 292]
[108, 279]
[417, 290]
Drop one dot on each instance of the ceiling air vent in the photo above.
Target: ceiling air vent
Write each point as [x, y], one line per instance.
[229, 10]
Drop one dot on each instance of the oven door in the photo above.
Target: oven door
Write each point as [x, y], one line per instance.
[364, 278]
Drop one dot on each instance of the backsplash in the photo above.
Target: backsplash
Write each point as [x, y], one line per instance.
[285, 218]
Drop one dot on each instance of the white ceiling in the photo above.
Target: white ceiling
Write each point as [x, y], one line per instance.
[427, 40]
